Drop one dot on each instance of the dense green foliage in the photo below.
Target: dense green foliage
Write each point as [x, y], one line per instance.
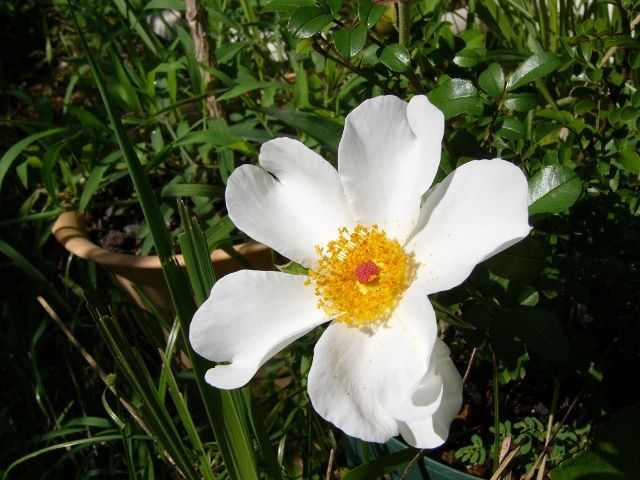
[547, 330]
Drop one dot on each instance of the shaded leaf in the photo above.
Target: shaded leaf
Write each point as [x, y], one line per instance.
[540, 331]
[10, 155]
[613, 454]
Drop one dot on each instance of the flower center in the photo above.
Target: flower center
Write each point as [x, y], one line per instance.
[366, 271]
[361, 276]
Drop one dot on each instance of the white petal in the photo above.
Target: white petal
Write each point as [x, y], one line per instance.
[303, 206]
[361, 377]
[388, 157]
[442, 382]
[248, 318]
[477, 211]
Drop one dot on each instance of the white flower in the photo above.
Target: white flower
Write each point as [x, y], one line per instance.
[374, 255]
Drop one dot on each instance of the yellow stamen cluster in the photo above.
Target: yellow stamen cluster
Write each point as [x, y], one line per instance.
[339, 292]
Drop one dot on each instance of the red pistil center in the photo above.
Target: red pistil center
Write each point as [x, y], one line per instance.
[366, 271]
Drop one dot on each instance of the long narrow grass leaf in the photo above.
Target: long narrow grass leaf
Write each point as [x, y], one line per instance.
[10, 156]
[236, 449]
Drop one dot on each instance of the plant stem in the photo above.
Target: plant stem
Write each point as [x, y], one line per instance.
[404, 22]
[198, 26]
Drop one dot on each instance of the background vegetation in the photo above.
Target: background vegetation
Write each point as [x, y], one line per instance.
[546, 333]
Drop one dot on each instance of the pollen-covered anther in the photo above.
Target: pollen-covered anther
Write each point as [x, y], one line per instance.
[361, 276]
[366, 272]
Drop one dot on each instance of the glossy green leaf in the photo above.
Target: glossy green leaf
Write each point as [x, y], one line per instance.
[492, 80]
[467, 58]
[369, 12]
[307, 21]
[286, 6]
[540, 331]
[534, 67]
[547, 133]
[456, 96]
[630, 160]
[521, 102]
[512, 129]
[350, 41]
[553, 189]
[613, 454]
[396, 57]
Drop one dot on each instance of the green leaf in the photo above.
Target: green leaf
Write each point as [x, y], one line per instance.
[286, 6]
[307, 21]
[396, 57]
[521, 102]
[532, 68]
[540, 331]
[322, 129]
[250, 86]
[224, 410]
[630, 160]
[521, 262]
[10, 155]
[613, 454]
[165, 5]
[214, 137]
[381, 466]
[512, 129]
[369, 13]
[456, 96]
[466, 58]
[334, 5]
[492, 80]
[192, 190]
[293, 268]
[350, 41]
[553, 189]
